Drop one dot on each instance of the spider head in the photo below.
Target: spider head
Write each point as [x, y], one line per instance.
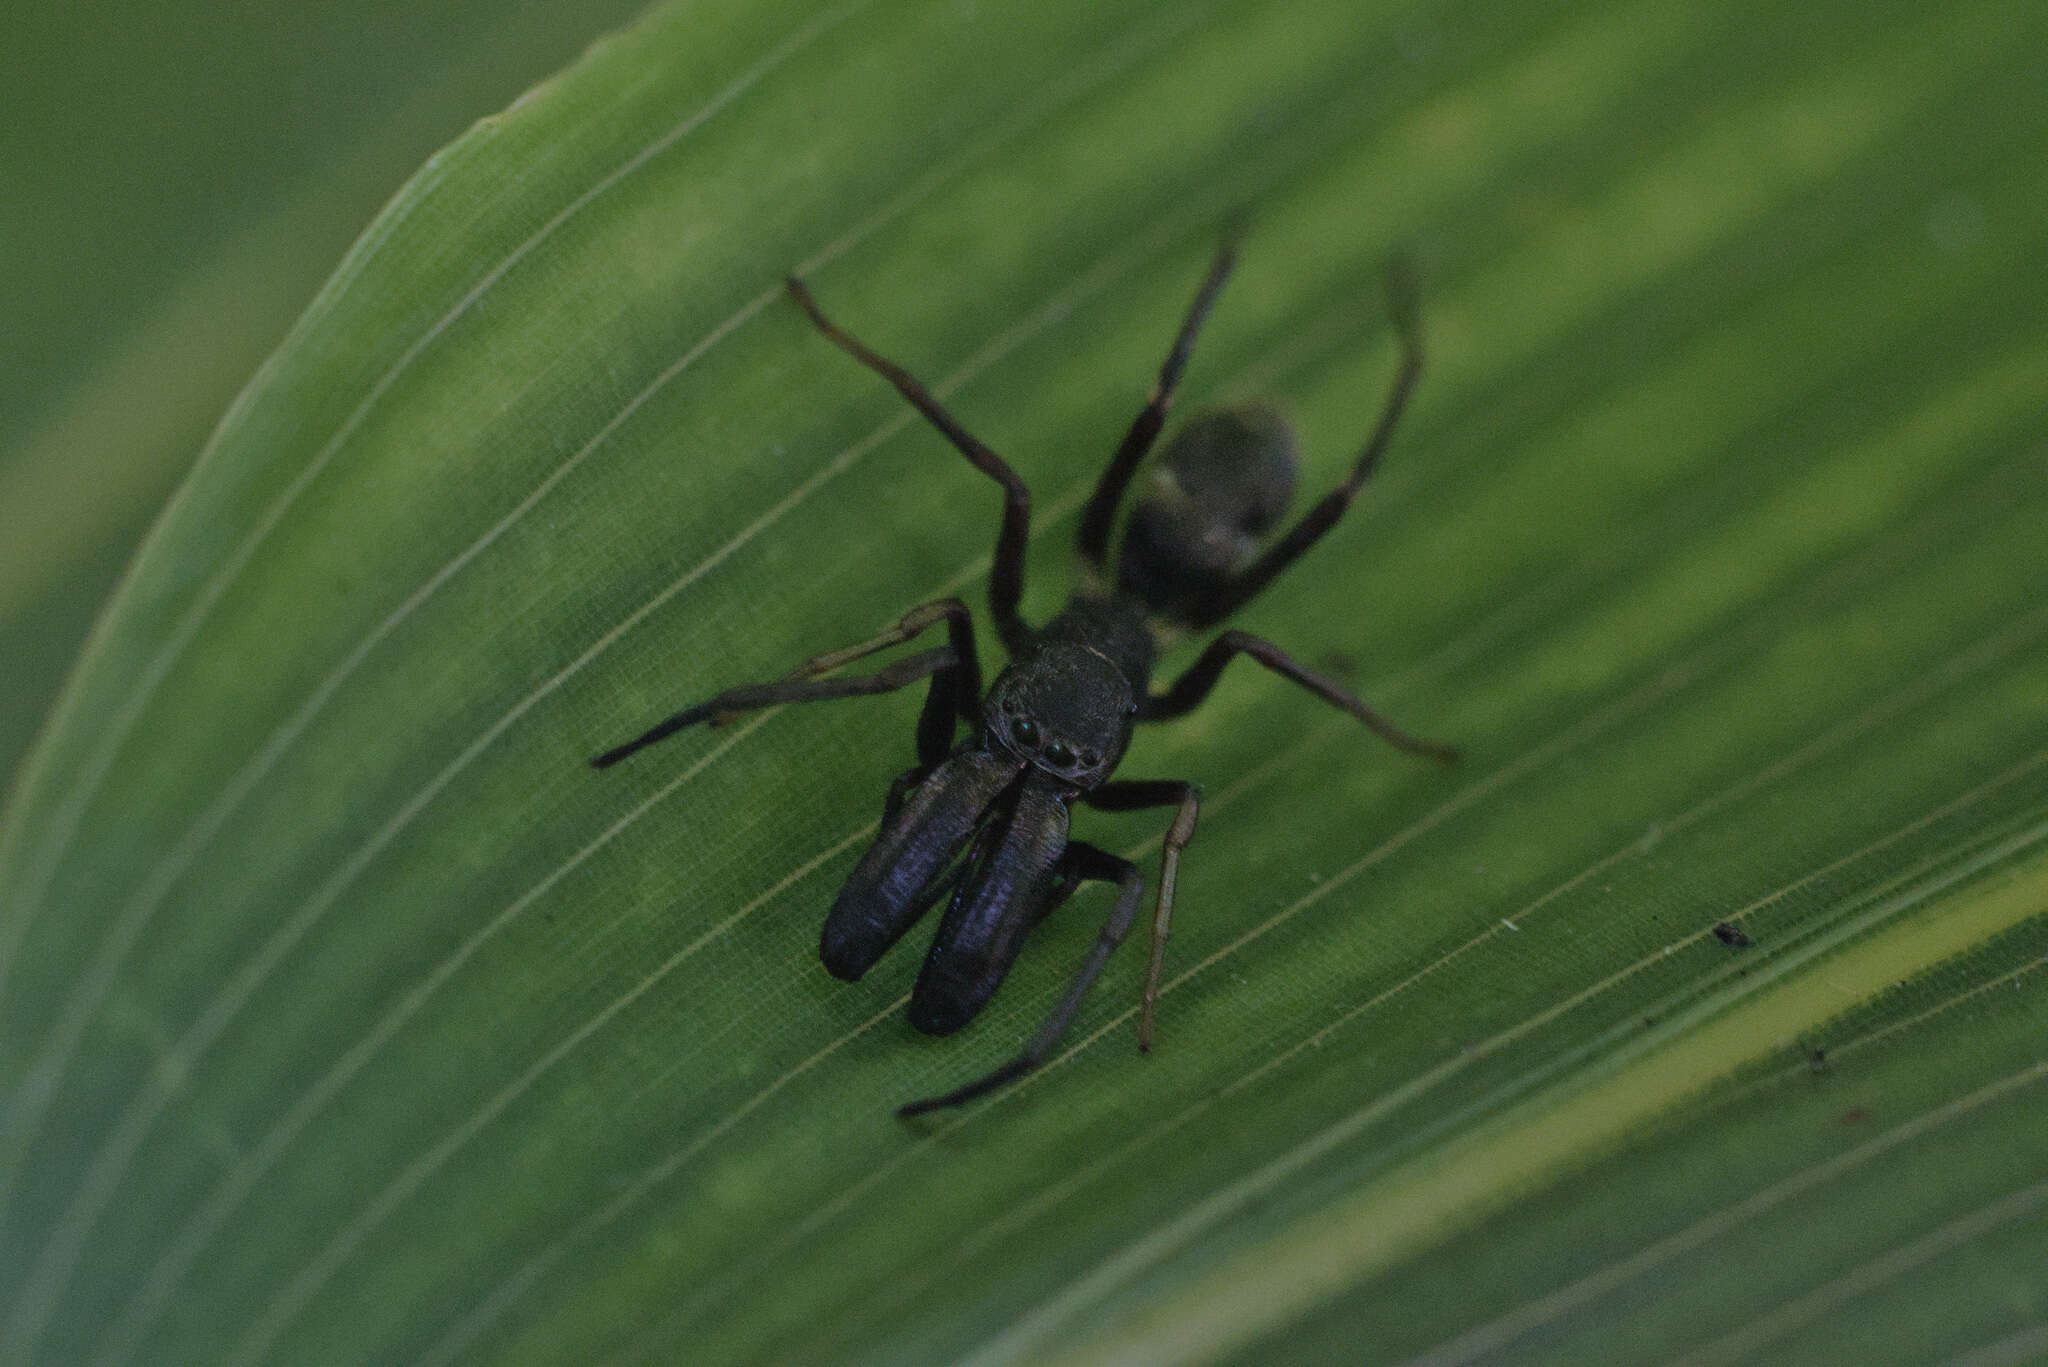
[1066, 710]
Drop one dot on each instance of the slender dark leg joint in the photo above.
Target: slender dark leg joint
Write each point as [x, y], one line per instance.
[1006, 575]
[953, 669]
[1188, 691]
[748, 697]
[1134, 795]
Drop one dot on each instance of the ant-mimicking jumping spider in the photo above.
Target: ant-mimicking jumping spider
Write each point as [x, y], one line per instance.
[985, 824]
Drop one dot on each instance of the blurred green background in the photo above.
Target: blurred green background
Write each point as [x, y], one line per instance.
[175, 183]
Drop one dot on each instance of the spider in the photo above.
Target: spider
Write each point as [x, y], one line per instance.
[984, 825]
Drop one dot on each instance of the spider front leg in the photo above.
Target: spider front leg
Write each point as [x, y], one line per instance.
[1130, 795]
[954, 670]
[1006, 572]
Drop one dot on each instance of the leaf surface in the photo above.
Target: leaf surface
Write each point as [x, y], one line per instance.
[348, 1013]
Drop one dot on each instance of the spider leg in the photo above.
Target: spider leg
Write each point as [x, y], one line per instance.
[954, 670]
[1130, 795]
[1098, 517]
[1248, 584]
[1006, 574]
[955, 694]
[1188, 691]
[750, 696]
[1080, 862]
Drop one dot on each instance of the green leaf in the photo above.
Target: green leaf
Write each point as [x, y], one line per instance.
[349, 1015]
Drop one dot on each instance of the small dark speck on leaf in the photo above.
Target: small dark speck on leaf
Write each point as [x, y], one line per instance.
[1855, 1115]
[1732, 935]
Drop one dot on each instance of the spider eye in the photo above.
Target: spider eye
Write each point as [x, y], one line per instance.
[1059, 754]
[1026, 732]
[1090, 758]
